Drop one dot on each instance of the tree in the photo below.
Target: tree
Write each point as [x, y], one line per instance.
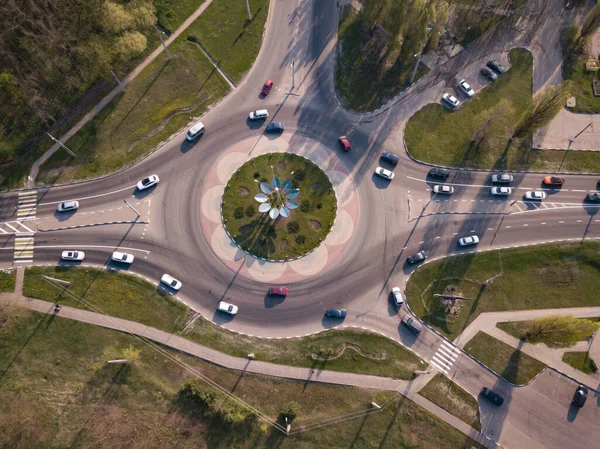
[290, 410]
[116, 18]
[131, 44]
[543, 108]
[131, 353]
[560, 330]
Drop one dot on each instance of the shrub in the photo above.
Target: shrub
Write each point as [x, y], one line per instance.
[256, 174]
[319, 205]
[300, 239]
[238, 212]
[216, 403]
[305, 206]
[293, 227]
[250, 211]
[263, 179]
[299, 175]
[290, 410]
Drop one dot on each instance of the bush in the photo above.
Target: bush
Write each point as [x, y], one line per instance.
[305, 206]
[293, 227]
[238, 212]
[256, 174]
[290, 410]
[250, 211]
[263, 179]
[299, 175]
[216, 403]
[300, 239]
[319, 205]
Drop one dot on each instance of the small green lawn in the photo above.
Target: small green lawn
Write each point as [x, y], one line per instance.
[8, 279]
[581, 79]
[277, 239]
[119, 295]
[172, 13]
[540, 277]
[580, 361]
[519, 329]
[446, 394]
[58, 391]
[510, 363]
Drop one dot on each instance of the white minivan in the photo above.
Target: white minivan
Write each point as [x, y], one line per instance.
[259, 114]
[195, 131]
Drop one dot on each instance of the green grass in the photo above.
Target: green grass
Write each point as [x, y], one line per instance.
[519, 329]
[172, 13]
[58, 391]
[477, 26]
[7, 280]
[385, 357]
[109, 292]
[446, 394]
[580, 361]
[510, 363]
[581, 79]
[541, 277]
[271, 239]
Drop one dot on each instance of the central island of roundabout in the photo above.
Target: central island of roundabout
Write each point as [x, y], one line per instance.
[278, 210]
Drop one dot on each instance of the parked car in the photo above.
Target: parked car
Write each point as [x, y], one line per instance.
[195, 131]
[67, 206]
[437, 172]
[397, 295]
[493, 397]
[535, 195]
[336, 313]
[276, 127]
[489, 74]
[501, 191]
[554, 180]
[170, 281]
[118, 256]
[469, 240]
[417, 257]
[444, 189]
[593, 197]
[267, 87]
[450, 101]
[390, 157]
[227, 308]
[148, 182]
[496, 66]
[345, 143]
[73, 255]
[279, 291]
[259, 114]
[580, 396]
[466, 88]
[412, 324]
[384, 173]
[502, 178]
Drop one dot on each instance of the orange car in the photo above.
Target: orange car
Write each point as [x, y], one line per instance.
[554, 180]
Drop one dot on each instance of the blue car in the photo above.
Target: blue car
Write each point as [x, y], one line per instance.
[336, 313]
[274, 128]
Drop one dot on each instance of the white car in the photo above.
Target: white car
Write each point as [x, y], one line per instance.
[170, 281]
[451, 100]
[466, 88]
[148, 182]
[259, 114]
[501, 190]
[441, 188]
[227, 308]
[503, 178]
[537, 195]
[384, 173]
[68, 205]
[118, 256]
[397, 294]
[470, 240]
[72, 255]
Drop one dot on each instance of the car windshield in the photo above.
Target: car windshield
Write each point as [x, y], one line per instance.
[146, 181]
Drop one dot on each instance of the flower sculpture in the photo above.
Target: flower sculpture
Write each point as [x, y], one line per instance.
[277, 198]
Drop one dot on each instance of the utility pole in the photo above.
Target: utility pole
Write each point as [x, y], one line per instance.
[62, 145]
[163, 44]
[118, 81]
[248, 10]
[132, 208]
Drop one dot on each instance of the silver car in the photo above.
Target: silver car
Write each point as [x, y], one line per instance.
[72, 255]
[501, 191]
[68, 205]
[444, 189]
[389, 175]
[467, 241]
[397, 295]
[535, 195]
[502, 178]
[450, 101]
[118, 256]
[227, 308]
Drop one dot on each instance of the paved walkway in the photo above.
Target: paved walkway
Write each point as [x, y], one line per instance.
[570, 131]
[108, 98]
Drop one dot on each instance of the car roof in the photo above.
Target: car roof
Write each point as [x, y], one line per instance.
[197, 127]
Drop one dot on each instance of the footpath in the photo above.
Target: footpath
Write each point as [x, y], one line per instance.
[408, 389]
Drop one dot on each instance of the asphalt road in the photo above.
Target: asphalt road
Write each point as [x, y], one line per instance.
[396, 219]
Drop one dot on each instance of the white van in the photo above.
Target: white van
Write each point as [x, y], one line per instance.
[195, 131]
[260, 114]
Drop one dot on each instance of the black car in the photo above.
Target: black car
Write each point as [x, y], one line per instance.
[489, 74]
[417, 257]
[437, 172]
[593, 197]
[274, 128]
[580, 396]
[496, 66]
[492, 397]
[390, 157]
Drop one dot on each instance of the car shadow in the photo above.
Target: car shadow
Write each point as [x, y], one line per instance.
[68, 263]
[186, 145]
[255, 124]
[329, 323]
[222, 317]
[551, 189]
[118, 266]
[379, 182]
[273, 300]
[407, 338]
[162, 289]
[272, 136]
[392, 309]
[64, 216]
[572, 413]
[141, 194]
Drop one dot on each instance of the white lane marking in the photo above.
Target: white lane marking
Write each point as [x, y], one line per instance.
[578, 221]
[439, 368]
[561, 221]
[578, 190]
[526, 224]
[20, 223]
[23, 261]
[421, 242]
[543, 222]
[490, 229]
[28, 193]
[508, 227]
[14, 229]
[97, 246]
[89, 197]
[456, 233]
[438, 237]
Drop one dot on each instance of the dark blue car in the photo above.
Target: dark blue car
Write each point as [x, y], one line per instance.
[274, 128]
[336, 313]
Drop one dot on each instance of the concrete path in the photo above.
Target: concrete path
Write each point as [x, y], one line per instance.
[108, 98]
[570, 131]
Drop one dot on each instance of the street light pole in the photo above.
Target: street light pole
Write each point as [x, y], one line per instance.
[62, 145]
[163, 43]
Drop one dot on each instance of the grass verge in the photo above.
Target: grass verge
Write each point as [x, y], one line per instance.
[510, 363]
[58, 391]
[446, 394]
[580, 361]
[520, 330]
[8, 279]
[540, 277]
[581, 79]
[277, 239]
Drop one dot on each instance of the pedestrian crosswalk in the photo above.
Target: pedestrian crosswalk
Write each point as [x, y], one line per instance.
[444, 357]
[24, 234]
[27, 205]
[24, 249]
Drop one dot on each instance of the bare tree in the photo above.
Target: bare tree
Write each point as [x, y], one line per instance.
[544, 107]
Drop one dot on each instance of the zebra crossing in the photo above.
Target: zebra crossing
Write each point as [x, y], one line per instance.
[24, 235]
[27, 205]
[445, 356]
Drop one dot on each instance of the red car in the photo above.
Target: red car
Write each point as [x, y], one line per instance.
[554, 180]
[345, 143]
[267, 87]
[279, 291]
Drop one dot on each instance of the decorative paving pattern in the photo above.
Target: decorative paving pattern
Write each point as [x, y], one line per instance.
[311, 264]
